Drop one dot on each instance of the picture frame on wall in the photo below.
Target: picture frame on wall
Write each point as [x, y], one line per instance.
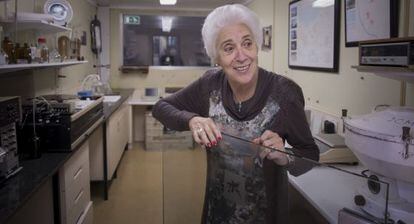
[267, 38]
[370, 20]
[314, 35]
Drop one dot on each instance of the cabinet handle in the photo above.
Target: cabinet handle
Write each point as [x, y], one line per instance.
[78, 196]
[77, 173]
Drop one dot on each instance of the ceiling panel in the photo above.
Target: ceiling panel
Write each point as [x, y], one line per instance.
[181, 4]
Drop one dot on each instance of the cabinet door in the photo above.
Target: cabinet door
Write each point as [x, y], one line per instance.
[96, 154]
[117, 137]
[124, 125]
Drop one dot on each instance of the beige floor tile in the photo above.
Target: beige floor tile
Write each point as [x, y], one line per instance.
[152, 186]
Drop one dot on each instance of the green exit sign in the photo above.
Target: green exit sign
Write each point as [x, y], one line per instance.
[132, 20]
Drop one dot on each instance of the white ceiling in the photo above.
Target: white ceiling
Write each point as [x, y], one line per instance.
[181, 4]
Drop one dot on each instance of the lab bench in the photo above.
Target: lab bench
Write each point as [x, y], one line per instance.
[39, 178]
[329, 190]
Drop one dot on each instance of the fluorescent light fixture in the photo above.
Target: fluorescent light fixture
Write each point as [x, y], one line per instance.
[168, 2]
[323, 3]
[166, 22]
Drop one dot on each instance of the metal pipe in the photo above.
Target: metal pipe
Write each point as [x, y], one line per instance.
[405, 32]
[15, 21]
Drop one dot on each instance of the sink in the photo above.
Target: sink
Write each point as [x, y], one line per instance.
[111, 98]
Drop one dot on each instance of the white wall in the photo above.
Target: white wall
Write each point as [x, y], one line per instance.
[264, 9]
[47, 81]
[330, 92]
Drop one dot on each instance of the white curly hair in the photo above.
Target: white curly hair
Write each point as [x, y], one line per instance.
[224, 16]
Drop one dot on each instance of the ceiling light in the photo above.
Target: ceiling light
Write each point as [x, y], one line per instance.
[168, 2]
[166, 22]
[323, 3]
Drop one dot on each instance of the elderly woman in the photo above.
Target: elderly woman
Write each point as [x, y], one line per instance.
[250, 103]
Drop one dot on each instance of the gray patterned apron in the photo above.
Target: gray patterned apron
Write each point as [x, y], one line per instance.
[235, 191]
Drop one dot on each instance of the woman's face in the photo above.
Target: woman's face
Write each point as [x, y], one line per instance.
[237, 53]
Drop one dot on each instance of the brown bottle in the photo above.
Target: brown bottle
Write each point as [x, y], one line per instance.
[64, 47]
[7, 46]
[78, 46]
[44, 51]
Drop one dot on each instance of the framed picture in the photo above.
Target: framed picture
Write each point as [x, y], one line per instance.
[314, 35]
[370, 20]
[267, 38]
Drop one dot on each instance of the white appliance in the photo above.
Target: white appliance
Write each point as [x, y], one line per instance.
[384, 142]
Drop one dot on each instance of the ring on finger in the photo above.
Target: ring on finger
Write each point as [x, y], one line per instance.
[199, 130]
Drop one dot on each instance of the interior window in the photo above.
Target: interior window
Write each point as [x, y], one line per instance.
[163, 40]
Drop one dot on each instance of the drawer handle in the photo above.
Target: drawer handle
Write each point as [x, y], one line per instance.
[77, 173]
[78, 196]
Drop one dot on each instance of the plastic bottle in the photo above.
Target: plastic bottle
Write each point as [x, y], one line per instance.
[44, 50]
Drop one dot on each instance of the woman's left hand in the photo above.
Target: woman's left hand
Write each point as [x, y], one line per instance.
[272, 140]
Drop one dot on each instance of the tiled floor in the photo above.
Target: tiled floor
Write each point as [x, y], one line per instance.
[140, 194]
[154, 187]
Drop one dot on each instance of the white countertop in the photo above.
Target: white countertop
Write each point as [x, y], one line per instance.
[329, 190]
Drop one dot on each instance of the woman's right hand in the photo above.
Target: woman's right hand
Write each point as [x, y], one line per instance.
[205, 131]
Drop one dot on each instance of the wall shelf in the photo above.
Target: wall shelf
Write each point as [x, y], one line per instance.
[397, 73]
[40, 25]
[18, 67]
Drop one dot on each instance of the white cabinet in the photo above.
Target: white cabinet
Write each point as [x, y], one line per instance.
[117, 137]
[74, 187]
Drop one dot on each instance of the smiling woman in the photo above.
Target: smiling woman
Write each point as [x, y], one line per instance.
[246, 101]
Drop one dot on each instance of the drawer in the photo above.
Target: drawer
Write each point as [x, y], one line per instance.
[80, 181]
[74, 164]
[79, 205]
[87, 215]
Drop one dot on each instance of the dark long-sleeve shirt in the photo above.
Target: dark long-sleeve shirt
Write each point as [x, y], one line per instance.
[277, 105]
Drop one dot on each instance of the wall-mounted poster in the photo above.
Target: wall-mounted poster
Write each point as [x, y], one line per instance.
[314, 35]
[370, 20]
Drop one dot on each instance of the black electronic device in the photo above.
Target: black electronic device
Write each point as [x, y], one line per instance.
[9, 116]
[328, 127]
[56, 126]
[398, 52]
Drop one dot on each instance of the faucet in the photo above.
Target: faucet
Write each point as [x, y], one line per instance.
[344, 114]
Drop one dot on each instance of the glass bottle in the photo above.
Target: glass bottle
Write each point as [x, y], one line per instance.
[64, 46]
[44, 50]
[33, 53]
[17, 52]
[3, 57]
[26, 53]
[7, 46]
